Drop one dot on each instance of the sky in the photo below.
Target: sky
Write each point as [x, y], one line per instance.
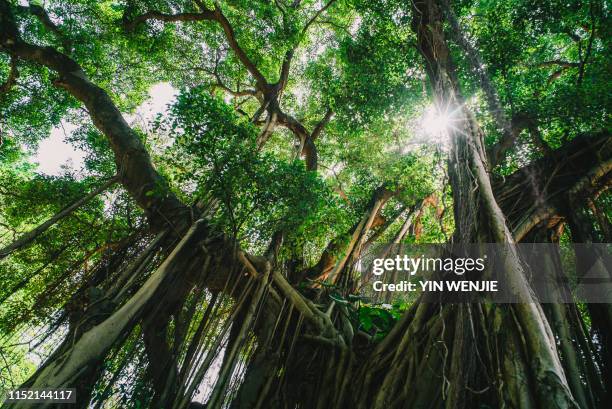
[54, 152]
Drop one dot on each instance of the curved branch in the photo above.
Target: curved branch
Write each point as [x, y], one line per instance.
[46, 21]
[37, 231]
[308, 148]
[231, 38]
[316, 15]
[271, 92]
[134, 166]
[205, 14]
[533, 220]
[12, 78]
[321, 124]
[588, 186]
[577, 171]
[131, 25]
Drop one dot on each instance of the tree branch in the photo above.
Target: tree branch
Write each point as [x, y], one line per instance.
[478, 68]
[561, 63]
[134, 166]
[220, 84]
[37, 231]
[231, 38]
[12, 78]
[206, 14]
[284, 72]
[131, 25]
[321, 124]
[307, 147]
[46, 21]
[243, 93]
[316, 15]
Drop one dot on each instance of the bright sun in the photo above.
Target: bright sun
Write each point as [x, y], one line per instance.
[435, 123]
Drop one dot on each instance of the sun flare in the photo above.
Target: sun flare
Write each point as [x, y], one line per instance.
[436, 123]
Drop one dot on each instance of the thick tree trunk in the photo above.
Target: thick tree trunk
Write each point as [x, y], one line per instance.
[468, 160]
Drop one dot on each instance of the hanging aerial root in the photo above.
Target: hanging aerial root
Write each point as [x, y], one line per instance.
[99, 339]
[204, 354]
[229, 364]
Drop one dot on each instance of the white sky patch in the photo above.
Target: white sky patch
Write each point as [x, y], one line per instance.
[205, 387]
[332, 171]
[161, 95]
[300, 93]
[355, 26]
[54, 154]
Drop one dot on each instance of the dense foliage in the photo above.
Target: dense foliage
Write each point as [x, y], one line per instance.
[293, 125]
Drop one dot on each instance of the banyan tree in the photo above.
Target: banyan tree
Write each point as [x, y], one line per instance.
[209, 254]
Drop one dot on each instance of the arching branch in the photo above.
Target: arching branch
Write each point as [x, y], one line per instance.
[539, 191]
[46, 21]
[269, 91]
[206, 14]
[134, 165]
[321, 124]
[316, 16]
[28, 237]
[233, 42]
[130, 25]
[12, 78]
[307, 148]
